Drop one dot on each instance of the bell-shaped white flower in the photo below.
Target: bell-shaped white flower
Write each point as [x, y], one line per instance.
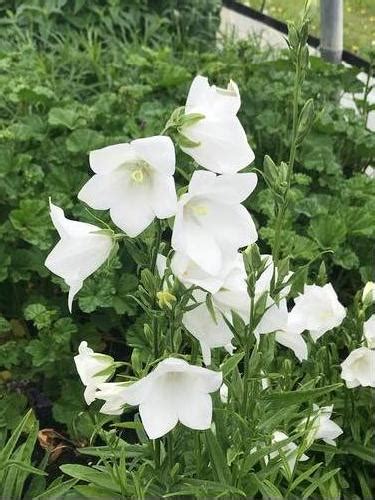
[359, 368]
[289, 453]
[321, 426]
[276, 319]
[135, 181]
[173, 392]
[369, 331]
[190, 274]
[317, 310]
[210, 332]
[221, 142]
[114, 395]
[233, 294]
[82, 249]
[210, 223]
[93, 368]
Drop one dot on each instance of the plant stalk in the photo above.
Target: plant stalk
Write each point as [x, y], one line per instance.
[292, 155]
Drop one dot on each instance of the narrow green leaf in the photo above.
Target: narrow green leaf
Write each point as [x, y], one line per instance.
[230, 364]
[267, 488]
[91, 475]
[57, 490]
[304, 476]
[217, 457]
[295, 397]
[318, 482]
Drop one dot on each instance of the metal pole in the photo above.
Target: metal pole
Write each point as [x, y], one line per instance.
[331, 30]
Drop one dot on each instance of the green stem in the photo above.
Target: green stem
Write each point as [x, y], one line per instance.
[247, 358]
[157, 453]
[155, 332]
[154, 255]
[156, 246]
[292, 155]
[194, 351]
[171, 330]
[170, 450]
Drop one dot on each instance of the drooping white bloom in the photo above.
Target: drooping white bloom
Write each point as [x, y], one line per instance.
[359, 368]
[317, 310]
[289, 452]
[321, 425]
[82, 249]
[173, 392]
[369, 331]
[222, 144]
[210, 223]
[233, 294]
[210, 333]
[276, 319]
[114, 395]
[190, 274]
[93, 368]
[135, 181]
[368, 294]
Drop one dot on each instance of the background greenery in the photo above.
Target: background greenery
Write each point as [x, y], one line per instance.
[80, 75]
[359, 19]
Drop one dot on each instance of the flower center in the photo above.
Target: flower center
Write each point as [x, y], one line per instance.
[140, 172]
[138, 176]
[324, 315]
[199, 210]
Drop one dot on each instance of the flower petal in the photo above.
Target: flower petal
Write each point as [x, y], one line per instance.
[163, 196]
[223, 145]
[103, 191]
[134, 213]
[205, 380]
[105, 160]
[234, 188]
[193, 240]
[201, 325]
[293, 341]
[158, 412]
[194, 409]
[158, 151]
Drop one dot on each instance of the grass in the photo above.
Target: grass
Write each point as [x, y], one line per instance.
[359, 19]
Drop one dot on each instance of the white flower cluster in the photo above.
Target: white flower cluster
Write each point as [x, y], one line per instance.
[135, 183]
[359, 367]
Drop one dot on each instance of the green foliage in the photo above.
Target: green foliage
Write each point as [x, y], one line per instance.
[16, 464]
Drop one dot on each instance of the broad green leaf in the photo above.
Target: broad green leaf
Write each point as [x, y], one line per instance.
[84, 140]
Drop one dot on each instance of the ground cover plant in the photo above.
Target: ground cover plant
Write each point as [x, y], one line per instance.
[117, 309]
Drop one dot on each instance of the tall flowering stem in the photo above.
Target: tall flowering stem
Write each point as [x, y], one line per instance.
[301, 122]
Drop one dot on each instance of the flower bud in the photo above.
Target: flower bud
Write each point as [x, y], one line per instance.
[165, 299]
[224, 393]
[368, 294]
